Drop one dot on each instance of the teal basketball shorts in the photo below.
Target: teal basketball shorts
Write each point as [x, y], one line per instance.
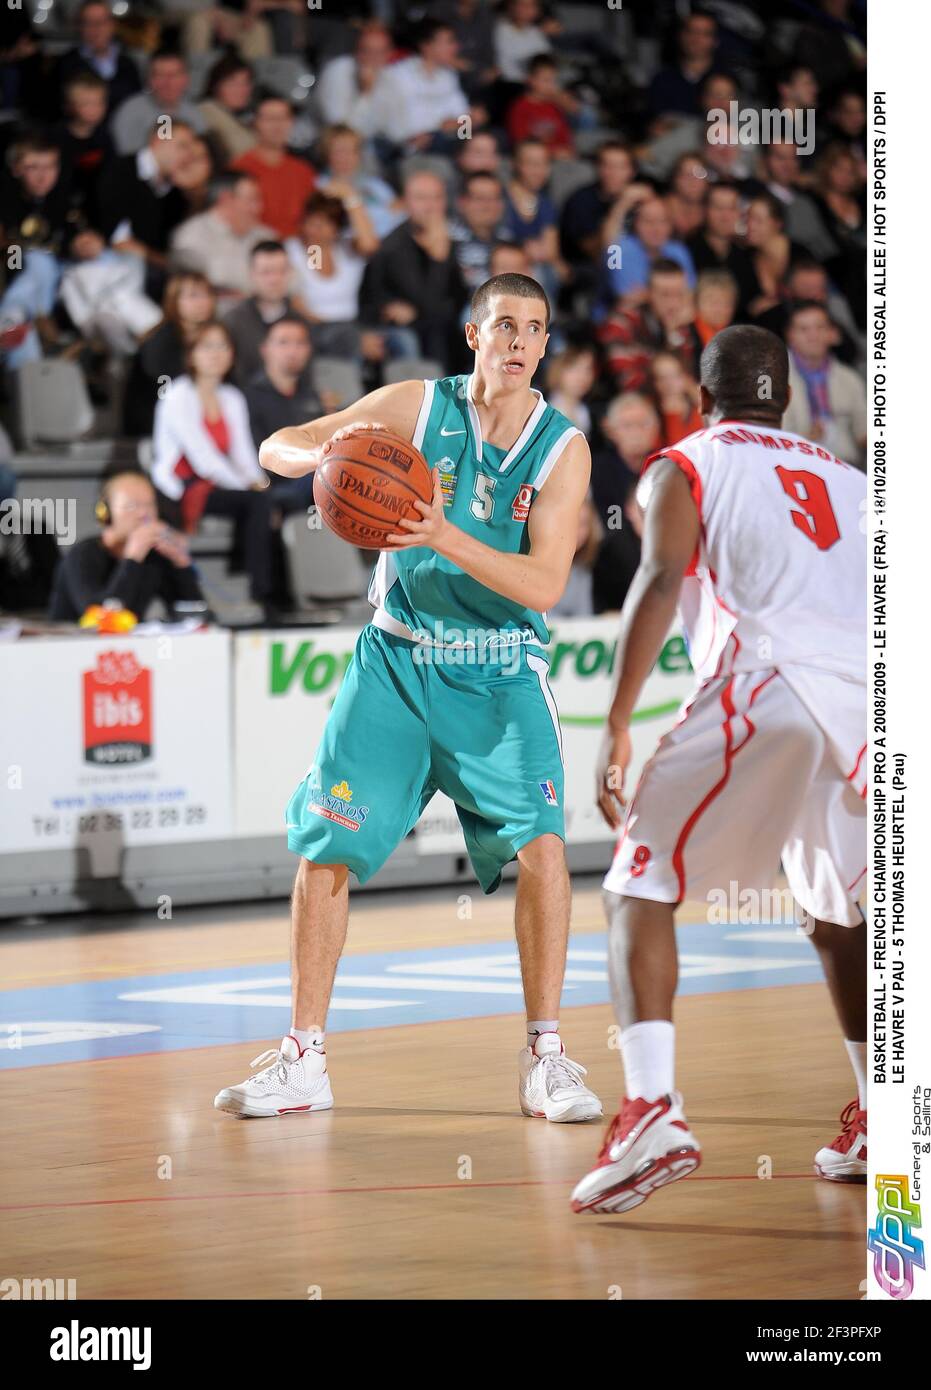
[402, 728]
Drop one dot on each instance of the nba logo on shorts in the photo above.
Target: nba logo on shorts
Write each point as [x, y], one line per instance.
[549, 793]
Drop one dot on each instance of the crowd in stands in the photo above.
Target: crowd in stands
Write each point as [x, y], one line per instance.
[213, 199]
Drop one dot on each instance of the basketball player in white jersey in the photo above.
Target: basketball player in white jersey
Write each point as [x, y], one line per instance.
[758, 535]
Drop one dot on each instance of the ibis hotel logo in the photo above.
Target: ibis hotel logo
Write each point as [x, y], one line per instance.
[117, 710]
[897, 1252]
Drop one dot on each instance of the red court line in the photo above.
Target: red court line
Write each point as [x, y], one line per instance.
[351, 1191]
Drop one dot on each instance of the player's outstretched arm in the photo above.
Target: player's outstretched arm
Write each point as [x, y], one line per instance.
[535, 580]
[670, 535]
[297, 450]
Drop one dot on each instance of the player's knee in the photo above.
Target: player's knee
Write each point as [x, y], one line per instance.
[618, 936]
[611, 902]
[825, 935]
[629, 916]
[313, 876]
[546, 853]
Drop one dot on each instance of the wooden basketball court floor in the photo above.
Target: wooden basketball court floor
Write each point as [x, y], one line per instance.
[424, 1182]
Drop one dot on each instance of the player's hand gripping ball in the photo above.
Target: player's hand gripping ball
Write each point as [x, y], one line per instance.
[368, 480]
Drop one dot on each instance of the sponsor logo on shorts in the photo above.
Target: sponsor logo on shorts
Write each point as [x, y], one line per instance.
[336, 805]
[549, 793]
[521, 509]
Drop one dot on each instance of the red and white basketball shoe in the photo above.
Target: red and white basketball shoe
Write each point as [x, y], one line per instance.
[551, 1086]
[648, 1145]
[292, 1082]
[845, 1159]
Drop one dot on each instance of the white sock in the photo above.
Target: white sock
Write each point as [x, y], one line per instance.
[856, 1051]
[537, 1026]
[309, 1037]
[649, 1051]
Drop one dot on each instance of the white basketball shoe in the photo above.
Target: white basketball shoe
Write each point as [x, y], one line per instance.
[648, 1145]
[551, 1085]
[290, 1081]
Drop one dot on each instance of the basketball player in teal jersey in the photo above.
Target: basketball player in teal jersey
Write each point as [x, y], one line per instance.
[447, 689]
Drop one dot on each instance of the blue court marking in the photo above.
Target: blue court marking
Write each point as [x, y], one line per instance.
[206, 1008]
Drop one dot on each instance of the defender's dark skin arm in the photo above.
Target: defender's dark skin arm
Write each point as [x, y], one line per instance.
[670, 535]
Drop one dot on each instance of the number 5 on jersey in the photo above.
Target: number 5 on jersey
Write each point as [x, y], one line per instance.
[483, 503]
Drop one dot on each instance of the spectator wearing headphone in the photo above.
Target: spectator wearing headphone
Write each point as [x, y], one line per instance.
[134, 559]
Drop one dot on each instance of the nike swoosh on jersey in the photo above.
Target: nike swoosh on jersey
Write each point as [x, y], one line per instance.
[446, 432]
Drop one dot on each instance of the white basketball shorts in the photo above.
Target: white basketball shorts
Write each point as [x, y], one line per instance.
[745, 778]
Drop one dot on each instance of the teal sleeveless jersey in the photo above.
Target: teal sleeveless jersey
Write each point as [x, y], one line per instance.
[488, 492]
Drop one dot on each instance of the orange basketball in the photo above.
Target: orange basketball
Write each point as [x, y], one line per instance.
[367, 483]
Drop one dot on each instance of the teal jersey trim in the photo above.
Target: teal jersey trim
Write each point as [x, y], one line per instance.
[488, 492]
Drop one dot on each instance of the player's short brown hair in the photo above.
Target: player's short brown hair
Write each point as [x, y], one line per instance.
[523, 286]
